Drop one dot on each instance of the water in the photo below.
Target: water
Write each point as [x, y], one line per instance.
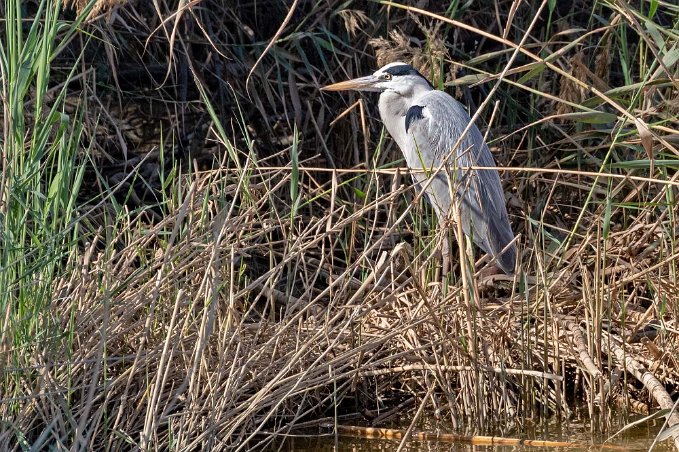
[638, 438]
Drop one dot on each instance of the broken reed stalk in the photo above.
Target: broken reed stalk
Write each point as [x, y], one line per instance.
[651, 383]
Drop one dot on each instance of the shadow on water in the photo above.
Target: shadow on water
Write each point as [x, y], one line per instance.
[638, 438]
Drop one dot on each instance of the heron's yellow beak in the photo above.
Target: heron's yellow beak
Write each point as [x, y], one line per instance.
[358, 84]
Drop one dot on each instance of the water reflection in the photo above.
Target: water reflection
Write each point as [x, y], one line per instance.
[637, 438]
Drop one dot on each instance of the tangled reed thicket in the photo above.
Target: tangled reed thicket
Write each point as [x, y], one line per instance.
[251, 257]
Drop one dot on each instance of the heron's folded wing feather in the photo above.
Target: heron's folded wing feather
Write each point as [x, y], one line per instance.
[435, 127]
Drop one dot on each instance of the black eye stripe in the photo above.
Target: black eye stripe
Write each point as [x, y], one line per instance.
[402, 69]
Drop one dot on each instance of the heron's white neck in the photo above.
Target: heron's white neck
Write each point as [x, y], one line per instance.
[397, 103]
[393, 107]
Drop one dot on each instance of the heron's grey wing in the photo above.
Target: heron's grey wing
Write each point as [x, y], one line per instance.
[434, 124]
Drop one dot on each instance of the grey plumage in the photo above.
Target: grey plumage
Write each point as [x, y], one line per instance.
[426, 124]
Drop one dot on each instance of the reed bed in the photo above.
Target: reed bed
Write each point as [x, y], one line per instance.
[201, 251]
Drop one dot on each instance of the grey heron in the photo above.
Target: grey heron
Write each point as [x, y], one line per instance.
[426, 124]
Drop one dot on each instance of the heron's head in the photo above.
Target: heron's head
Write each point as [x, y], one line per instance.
[396, 77]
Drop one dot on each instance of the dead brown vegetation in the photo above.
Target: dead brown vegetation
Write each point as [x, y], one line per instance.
[222, 295]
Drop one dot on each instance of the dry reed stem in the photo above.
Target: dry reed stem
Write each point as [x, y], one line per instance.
[657, 390]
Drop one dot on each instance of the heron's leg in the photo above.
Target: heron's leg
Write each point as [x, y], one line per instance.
[445, 223]
[445, 256]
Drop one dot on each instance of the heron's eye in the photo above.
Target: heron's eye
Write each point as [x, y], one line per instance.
[386, 76]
